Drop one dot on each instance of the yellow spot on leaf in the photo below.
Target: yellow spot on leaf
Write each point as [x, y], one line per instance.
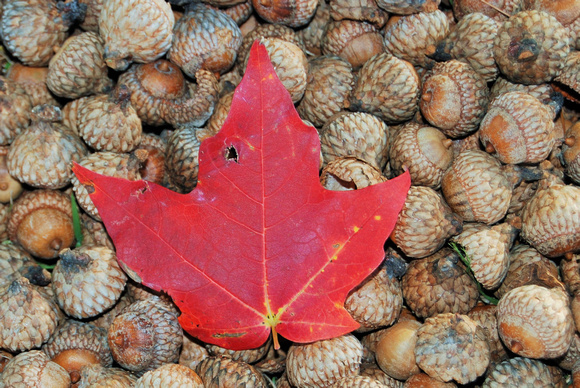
[334, 258]
[356, 229]
[377, 218]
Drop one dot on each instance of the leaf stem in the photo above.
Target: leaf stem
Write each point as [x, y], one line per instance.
[76, 220]
[275, 338]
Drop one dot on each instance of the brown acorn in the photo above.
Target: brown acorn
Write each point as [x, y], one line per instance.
[129, 36]
[220, 113]
[41, 222]
[499, 10]
[46, 27]
[223, 372]
[33, 81]
[395, 352]
[519, 371]
[485, 315]
[15, 114]
[439, 284]
[361, 10]
[34, 369]
[387, 87]
[531, 47]
[354, 41]
[153, 169]
[454, 98]
[170, 375]
[291, 13]
[239, 13]
[570, 270]
[422, 380]
[545, 93]
[452, 347]
[204, 39]
[566, 12]
[42, 155]
[407, 7]
[415, 36]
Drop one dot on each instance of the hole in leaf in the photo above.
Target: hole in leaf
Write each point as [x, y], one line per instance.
[232, 154]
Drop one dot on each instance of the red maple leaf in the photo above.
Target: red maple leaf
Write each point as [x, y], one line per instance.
[259, 244]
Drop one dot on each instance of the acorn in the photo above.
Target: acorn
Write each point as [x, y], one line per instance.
[313, 33]
[249, 356]
[476, 188]
[422, 380]
[204, 38]
[192, 352]
[486, 317]
[407, 7]
[76, 344]
[145, 336]
[129, 37]
[218, 372]
[346, 173]
[170, 375]
[70, 112]
[518, 372]
[377, 375]
[35, 370]
[181, 161]
[439, 284]
[395, 351]
[535, 321]
[78, 68]
[291, 13]
[153, 168]
[91, 19]
[220, 113]
[572, 356]
[545, 93]
[15, 114]
[15, 262]
[329, 84]
[570, 270]
[41, 222]
[551, 220]
[500, 10]
[354, 41]
[94, 232]
[33, 81]
[566, 12]
[571, 152]
[4, 358]
[46, 26]
[98, 376]
[414, 37]
[357, 382]
[10, 188]
[87, 280]
[239, 13]
[355, 134]
[322, 363]
[273, 363]
[454, 98]
[361, 10]
[27, 318]
[531, 47]
[452, 347]
[387, 87]
[425, 223]
[138, 292]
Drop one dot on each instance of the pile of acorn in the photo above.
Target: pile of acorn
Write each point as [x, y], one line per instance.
[477, 99]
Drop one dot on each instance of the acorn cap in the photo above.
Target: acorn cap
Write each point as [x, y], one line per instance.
[35, 370]
[15, 115]
[486, 317]
[407, 7]
[192, 352]
[354, 41]
[225, 372]
[345, 173]
[517, 372]
[313, 33]
[170, 375]
[97, 375]
[16, 262]
[248, 356]
[291, 13]
[220, 113]
[570, 270]
[361, 10]
[267, 30]
[357, 382]
[181, 160]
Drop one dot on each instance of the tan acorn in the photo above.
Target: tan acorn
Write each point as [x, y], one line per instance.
[517, 372]
[531, 47]
[105, 319]
[108, 122]
[373, 371]
[415, 36]
[192, 352]
[161, 94]
[15, 262]
[33, 81]
[223, 372]
[70, 112]
[422, 150]
[76, 344]
[361, 10]
[170, 375]
[322, 363]
[27, 318]
[347, 173]
[96, 375]
[476, 188]
[34, 369]
[439, 284]
[500, 10]
[15, 114]
[41, 222]
[46, 26]
[551, 219]
[452, 347]
[355, 134]
[87, 280]
[571, 152]
[129, 35]
[329, 84]
[111, 164]
[220, 113]
[566, 12]
[10, 188]
[291, 13]
[517, 128]
[313, 33]
[204, 39]
[145, 336]
[267, 30]
[387, 87]
[407, 7]
[535, 322]
[486, 317]
[425, 223]
[395, 351]
[454, 98]
[181, 160]
[354, 41]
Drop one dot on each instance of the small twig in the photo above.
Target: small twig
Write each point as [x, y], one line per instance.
[496, 8]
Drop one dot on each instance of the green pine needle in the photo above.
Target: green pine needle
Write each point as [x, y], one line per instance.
[76, 220]
[45, 265]
[467, 261]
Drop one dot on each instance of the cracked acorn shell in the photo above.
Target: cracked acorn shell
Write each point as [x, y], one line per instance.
[87, 280]
[135, 31]
[78, 68]
[517, 128]
[223, 372]
[204, 38]
[518, 372]
[291, 13]
[170, 376]
[439, 284]
[328, 86]
[41, 222]
[361, 10]
[535, 321]
[415, 36]
[476, 188]
[531, 47]
[108, 122]
[34, 369]
[16, 107]
[355, 134]
[551, 219]
[422, 150]
[425, 223]
[42, 155]
[407, 7]
[145, 336]
[31, 29]
[27, 319]
[354, 41]
[387, 87]
[452, 347]
[33, 81]
[322, 363]
[345, 173]
[454, 98]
